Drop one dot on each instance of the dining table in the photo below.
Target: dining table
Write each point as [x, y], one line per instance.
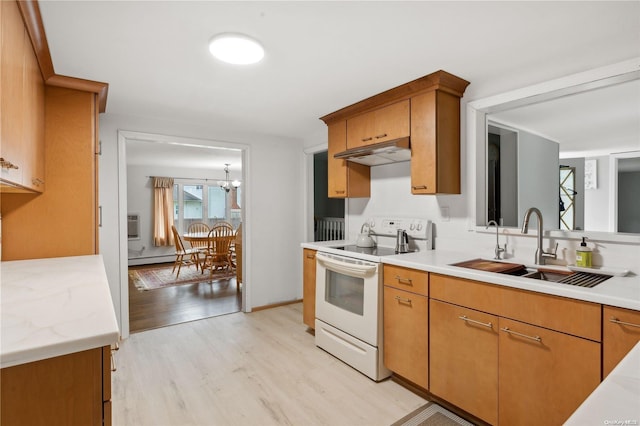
[202, 240]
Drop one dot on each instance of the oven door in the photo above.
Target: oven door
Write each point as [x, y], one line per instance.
[347, 295]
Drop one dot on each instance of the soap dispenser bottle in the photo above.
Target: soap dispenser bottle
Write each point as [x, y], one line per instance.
[583, 254]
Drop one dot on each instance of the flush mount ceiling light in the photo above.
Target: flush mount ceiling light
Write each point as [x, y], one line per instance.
[236, 49]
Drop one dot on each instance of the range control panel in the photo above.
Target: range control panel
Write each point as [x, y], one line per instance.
[416, 228]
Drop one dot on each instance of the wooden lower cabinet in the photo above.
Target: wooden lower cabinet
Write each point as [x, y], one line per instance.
[544, 375]
[620, 333]
[464, 359]
[406, 335]
[309, 287]
[72, 389]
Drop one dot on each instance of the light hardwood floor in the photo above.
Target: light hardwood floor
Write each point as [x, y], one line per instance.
[260, 368]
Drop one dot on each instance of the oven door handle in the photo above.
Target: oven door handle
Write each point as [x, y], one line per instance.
[346, 268]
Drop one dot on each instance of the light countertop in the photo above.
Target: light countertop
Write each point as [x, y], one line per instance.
[616, 401]
[618, 291]
[52, 307]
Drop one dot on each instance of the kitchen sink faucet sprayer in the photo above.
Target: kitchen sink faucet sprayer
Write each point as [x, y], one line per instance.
[540, 253]
[498, 249]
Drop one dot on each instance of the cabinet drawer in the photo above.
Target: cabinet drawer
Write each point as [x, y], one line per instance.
[621, 331]
[406, 335]
[406, 279]
[557, 313]
[380, 125]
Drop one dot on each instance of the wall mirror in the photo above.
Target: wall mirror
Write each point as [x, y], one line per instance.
[570, 147]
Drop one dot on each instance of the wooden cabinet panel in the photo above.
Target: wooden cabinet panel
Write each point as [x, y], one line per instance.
[33, 130]
[464, 359]
[558, 313]
[309, 287]
[62, 220]
[406, 335]
[435, 143]
[406, 279]
[345, 178]
[65, 390]
[543, 381]
[14, 42]
[621, 331]
[381, 125]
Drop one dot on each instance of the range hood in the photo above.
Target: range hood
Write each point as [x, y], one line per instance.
[377, 154]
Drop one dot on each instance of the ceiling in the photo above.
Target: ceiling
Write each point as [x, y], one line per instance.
[322, 56]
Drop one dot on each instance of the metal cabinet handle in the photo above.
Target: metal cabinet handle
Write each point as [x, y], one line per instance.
[515, 333]
[116, 347]
[617, 321]
[420, 187]
[403, 300]
[366, 139]
[406, 281]
[7, 164]
[484, 324]
[311, 256]
[384, 135]
[340, 192]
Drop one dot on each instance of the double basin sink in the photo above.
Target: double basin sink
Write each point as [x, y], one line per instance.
[581, 279]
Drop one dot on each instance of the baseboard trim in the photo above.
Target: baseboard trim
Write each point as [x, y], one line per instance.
[274, 305]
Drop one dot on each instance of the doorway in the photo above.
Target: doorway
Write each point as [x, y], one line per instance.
[328, 213]
[199, 170]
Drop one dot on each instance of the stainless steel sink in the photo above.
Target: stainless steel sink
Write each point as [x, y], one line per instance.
[581, 279]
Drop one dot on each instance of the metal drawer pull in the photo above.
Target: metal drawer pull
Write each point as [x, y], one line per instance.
[420, 187]
[536, 338]
[617, 321]
[340, 192]
[366, 139]
[7, 164]
[406, 281]
[384, 135]
[113, 362]
[403, 300]
[311, 256]
[484, 324]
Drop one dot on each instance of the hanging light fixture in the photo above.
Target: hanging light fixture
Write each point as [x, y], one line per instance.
[227, 184]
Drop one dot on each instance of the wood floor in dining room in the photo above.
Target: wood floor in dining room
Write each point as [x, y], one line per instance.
[259, 368]
[181, 303]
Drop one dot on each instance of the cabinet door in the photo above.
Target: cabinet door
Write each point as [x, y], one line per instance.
[621, 331]
[543, 375]
[33, 123]
[345, 179]
[464, 358]
[14, 41]
[406, 335]
[309, 287]
[435, 143]
[64, 390]
[380, 125]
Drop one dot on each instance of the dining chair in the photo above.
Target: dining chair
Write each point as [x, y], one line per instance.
[199, 228]
[218, 255]
[184, 256]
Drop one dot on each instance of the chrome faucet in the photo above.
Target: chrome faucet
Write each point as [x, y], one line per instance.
[540, 253]
[498, 249]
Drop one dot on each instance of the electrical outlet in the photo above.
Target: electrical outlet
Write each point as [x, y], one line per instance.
[444, 213]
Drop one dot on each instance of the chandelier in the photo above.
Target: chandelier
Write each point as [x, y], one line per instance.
[227, 184]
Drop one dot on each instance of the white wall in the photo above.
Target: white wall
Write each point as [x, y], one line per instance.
[273, 226]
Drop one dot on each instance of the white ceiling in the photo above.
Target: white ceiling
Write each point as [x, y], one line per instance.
[322, 56]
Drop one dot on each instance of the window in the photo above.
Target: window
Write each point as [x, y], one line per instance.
[202, 202]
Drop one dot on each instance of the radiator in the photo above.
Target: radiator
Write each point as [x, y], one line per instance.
[329, 228]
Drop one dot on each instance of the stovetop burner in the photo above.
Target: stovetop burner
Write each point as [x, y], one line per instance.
[373, 251]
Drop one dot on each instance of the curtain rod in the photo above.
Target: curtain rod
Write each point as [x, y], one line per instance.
[189, 178]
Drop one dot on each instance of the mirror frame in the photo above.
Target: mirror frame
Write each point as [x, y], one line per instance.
[477, 127]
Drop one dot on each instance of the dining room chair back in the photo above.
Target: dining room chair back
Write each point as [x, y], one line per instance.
[218, 255]
[184, 256]
[199, 228]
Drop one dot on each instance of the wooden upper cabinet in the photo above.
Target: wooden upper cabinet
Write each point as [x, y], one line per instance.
[381, 125]
[12, 55]
[346, 179]
[427, 110]
[435, 143]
